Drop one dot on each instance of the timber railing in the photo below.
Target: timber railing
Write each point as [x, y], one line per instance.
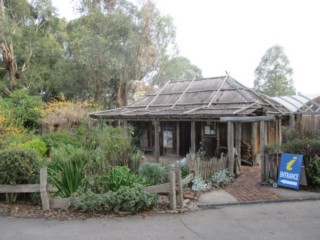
[173, 187]
[43, 188]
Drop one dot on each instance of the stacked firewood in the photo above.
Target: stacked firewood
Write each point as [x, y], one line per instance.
[246, 151]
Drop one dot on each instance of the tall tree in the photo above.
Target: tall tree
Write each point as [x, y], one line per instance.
[114, 42]
[176, 68]
[273, 76]
[29, 44]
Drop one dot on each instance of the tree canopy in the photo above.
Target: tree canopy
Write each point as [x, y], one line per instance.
[93, 57]
[273, 76]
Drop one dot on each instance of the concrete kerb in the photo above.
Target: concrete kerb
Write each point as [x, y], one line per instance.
[213, 206]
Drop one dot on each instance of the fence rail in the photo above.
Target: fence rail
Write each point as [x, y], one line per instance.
[43, 188]
[174, 188]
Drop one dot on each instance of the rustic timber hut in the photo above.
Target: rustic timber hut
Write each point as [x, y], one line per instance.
[303, 111]
[208, 113]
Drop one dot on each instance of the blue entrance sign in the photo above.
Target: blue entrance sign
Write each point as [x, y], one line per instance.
[290, 169]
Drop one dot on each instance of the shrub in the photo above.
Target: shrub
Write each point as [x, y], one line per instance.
[60, 139]
[135, 159]
[121, 176]
[289, 134]
[37, 144]
[154, 173]
[129, 199]
[68, 168]
[67, 177]
[185, 171]
[313, 171]
[19, 166]
[112, 145]
[221, 178]
[307, 147]
[198, 184]
[25, 108]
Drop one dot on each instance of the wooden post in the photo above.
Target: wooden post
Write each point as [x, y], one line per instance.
[218, 134]
[156, 140]
[280, 130]
[230, 147]
[254, 142]
[178, 138]
[172, 190]
[43, 189]
[179, 186]
[238, 138]
[238, 146]
[193, 136]
[291, 120]
[262, 146]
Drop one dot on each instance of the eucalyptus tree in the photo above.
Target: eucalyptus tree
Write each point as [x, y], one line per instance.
[273, 76]
[177, 68]
[116, 41]
[29, 44]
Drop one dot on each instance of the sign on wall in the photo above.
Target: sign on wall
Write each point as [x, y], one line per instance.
[290, 170]
[167, 139]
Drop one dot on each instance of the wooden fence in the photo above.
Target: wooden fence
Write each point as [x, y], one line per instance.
[43, 188]
[173, 187]
[206, 168]
[272, 165]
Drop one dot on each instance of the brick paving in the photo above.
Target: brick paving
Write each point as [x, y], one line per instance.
[247, 186]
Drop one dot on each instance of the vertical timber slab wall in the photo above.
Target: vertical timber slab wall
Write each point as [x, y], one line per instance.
[230, 147]
[262, 146]
[156, 140]
[193, 136]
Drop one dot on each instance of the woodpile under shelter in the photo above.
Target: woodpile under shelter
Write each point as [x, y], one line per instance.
[208, 114]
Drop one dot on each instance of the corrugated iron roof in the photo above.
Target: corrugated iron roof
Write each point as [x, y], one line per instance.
[199, 98]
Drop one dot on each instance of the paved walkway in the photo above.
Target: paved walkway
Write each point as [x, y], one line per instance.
[247, 188]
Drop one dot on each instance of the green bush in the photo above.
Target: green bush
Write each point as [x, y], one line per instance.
[19, 166]
[25, 108]
[289, 134]
[121, 176]
[60, 139]
[67, 177]
[309, 148]
[221, 179]
[154, 173]
[128, 199]
[313, 171]
[37, 144]
[185, 171]
[68, 168]
[135, 159]
[112, 145]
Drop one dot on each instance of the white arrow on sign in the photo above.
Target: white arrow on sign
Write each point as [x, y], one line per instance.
[288, 182]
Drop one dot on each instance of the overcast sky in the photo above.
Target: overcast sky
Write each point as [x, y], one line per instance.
[233, 35]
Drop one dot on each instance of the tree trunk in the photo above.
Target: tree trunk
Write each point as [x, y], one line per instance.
[9, 61]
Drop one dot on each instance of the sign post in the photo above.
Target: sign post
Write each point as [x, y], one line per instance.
[290, 170]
